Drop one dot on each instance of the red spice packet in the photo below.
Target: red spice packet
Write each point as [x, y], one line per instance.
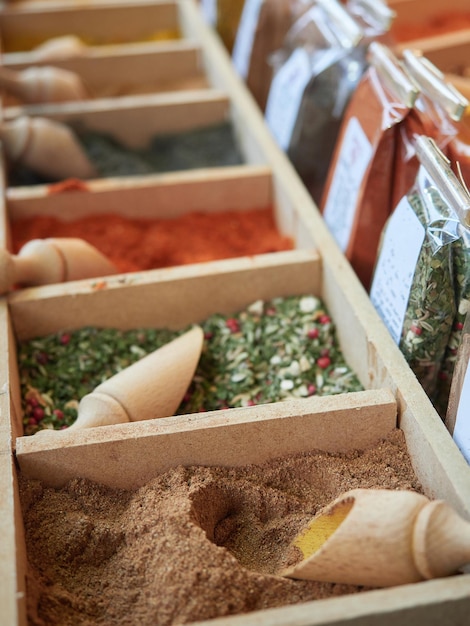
[357, 198]
[436, 114]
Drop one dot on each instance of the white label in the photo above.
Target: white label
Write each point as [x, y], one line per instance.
[462, 423]
[342, 201]
[209, 11]
[396, 265]
[243, 45]
[285, 95]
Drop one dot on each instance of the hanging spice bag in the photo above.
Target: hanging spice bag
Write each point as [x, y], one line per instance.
[436, 114]
[356, 201]
[257, 39]
[312, 82]
[413, 285]
[461, 276]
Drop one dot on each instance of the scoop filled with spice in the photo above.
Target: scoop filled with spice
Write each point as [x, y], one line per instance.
[48, 261]
[150, 388]
[381, 538]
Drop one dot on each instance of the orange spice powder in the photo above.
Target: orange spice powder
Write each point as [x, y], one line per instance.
[141, 244]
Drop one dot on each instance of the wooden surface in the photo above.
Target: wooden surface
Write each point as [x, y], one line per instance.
[184, 295]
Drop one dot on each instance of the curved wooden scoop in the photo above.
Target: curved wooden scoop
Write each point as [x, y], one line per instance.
[150, 388]
[60, 48]
[48, 261]
[43, 84]
[46, 147]
[381, 538]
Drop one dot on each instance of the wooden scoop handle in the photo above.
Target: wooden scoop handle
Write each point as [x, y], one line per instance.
[47, 147]
[382, 538]
[152, 387]
[48, 261]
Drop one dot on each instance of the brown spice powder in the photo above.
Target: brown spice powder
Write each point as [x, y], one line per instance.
[195, 543]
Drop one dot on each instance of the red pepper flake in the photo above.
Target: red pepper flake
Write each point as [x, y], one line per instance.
[416, 329]
[42, 358]
[324, 362]
[58, 414]
[38, 413]
[232, 324]
[70, 184]
[101, 284]
[65, 338]
[313, 333]
[312, 390]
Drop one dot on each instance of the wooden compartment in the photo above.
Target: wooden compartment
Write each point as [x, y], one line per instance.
[135, 121]
[179, 296]
[22, 27]
[170, 66]
[182, 295]
[212, 191]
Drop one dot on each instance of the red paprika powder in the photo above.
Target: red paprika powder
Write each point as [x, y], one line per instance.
[142, 244]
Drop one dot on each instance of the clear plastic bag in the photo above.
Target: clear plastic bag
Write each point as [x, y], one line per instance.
[425, 328]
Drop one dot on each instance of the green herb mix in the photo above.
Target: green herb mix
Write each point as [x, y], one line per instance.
[284, 348]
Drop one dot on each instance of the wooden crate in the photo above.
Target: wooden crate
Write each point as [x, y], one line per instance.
[181, 295]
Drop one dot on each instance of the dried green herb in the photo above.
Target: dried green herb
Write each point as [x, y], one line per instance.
[209, 146]
[284, 348]
[431, 306]
[461, 276]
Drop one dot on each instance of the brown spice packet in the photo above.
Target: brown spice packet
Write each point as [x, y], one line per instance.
[273, 23]
[357, 199]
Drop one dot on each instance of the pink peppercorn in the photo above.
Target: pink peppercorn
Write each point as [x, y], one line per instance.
[251, 403]
[38, 413]
[58, 414]
[416, 329]
[324, 362]
[33, 402]
[311, 390]
[232, 324]
[65, 339]
[313, 333]
[324, 319]
[458, 325]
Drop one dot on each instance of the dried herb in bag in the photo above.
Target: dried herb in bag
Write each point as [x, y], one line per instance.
[461, 275]
[331, 87]
[357, 196]
[314, 76]
[413, 287]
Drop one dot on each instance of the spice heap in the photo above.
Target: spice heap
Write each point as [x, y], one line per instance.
[210, 146]
[283, 348]
[194, 543]
[143, 244]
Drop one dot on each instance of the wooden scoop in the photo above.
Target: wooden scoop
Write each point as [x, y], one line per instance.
[46, 147]
[381, 538]
[43, 84]
[47, 261]
[150, 388]
[60, 48]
